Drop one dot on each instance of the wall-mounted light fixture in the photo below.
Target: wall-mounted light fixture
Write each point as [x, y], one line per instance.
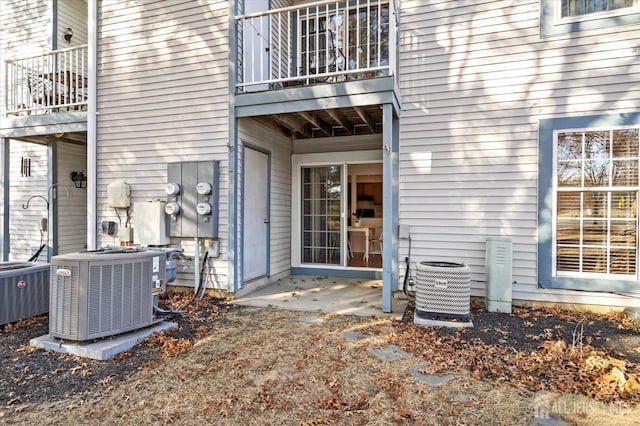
[68, 34]
[79, 179]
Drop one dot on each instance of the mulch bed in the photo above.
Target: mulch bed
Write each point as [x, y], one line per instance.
[597, 355]
[29, 375]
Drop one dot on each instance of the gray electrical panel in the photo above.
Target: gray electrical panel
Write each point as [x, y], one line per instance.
[499, 258]
[192, 198]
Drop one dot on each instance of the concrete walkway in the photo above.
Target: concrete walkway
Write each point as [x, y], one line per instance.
[344, 296]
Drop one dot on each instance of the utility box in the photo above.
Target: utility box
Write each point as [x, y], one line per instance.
[499, 260]
[149, 224]
[192, 199]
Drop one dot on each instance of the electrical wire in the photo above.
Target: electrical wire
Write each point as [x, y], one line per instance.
[199, 288]
[42, 246]
[407, 273]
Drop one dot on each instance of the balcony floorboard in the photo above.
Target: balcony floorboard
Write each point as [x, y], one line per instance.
[375, 91]
[43, 124]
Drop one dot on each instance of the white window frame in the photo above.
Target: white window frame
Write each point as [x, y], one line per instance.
[635, 8]
[554, 244]
[299, 161]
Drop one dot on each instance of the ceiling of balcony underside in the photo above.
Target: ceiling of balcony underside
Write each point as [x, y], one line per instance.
[361, 120]
[79, 138]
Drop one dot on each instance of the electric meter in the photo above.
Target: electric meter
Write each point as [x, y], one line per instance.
[172, 189]
[172, 208]
[203, 208]
[203, 188]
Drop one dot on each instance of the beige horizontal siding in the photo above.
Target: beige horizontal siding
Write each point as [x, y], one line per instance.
[475, 78]
[72, 209]
[163, 97]
[24, 31]
[72, 14]
[24, 224]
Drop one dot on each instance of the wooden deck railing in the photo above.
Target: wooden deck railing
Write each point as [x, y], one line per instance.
[324, 41]
[49, 83]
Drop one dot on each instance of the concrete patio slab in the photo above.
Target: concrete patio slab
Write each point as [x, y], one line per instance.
[102, 349]
[440, 323]
[343, 296]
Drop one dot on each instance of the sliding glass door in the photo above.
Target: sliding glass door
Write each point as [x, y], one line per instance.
[321, 215]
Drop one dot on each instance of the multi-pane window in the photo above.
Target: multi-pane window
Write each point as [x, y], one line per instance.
[570, 8]
[597, 203]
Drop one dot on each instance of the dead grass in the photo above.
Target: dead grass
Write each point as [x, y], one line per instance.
[266, 367]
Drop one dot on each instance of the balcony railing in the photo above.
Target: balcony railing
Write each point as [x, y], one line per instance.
[325, 41]
[48, 83]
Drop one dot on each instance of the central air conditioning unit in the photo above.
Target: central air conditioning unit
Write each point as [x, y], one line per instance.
[102, 293]
[443, 289]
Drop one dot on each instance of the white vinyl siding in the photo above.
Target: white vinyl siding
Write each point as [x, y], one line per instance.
[475, 78]
[72, 14]
[72, 201]
[24, 37]
[279, 148]
[24, 224]
[281, 26]
[162, 97]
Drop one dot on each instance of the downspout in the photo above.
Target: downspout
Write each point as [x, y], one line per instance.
[53, 29]
[234, 273]
[52, 194]
[6, 155]
[92, 164]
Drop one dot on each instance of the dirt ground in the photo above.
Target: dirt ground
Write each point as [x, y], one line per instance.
[237, 365]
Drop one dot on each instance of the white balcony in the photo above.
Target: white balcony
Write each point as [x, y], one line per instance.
[320, 42]
[46, 84]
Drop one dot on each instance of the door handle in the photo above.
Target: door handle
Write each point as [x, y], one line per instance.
[266, 221]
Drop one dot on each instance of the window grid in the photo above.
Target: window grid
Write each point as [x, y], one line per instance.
[321, 188]
[620, 254]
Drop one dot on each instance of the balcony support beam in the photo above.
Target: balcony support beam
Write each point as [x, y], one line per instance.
[273, 125]
[292, 124]
[367, 120]
[337, 115]
[317, 122]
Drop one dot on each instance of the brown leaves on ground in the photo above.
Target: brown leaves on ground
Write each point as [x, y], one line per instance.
[556, 365]
[23, 323]
[169, 345]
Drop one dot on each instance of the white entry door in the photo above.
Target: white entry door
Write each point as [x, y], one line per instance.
[255, 214]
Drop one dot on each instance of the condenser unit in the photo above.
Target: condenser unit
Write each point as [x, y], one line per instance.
[443, 290]
[24, 290]
[102, 293]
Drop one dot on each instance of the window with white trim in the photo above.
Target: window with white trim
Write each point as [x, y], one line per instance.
[584, 7]
[596, 203]
[569, 16]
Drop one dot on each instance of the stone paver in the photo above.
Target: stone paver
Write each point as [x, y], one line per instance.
[431, 380]
[550, 421]
[389, 353]
[311, 319]
[353, 336]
